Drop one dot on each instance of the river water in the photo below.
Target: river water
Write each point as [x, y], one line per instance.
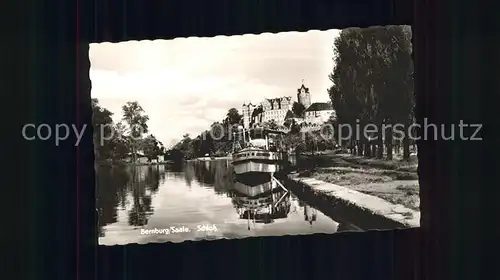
[186, 197]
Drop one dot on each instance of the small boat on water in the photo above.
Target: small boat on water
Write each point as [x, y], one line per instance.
[261, 151]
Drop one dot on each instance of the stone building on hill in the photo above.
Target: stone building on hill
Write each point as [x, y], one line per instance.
[276, 109]
[280, 109]
[269, 109]
[319, 112]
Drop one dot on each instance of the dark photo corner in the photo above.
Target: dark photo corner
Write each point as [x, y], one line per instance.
[52, 231]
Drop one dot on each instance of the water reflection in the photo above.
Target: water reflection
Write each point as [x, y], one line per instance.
[310, 214]
[194, 193]
[119, 187]
[260, 202]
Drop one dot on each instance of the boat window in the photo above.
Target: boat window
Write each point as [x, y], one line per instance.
[257, 134]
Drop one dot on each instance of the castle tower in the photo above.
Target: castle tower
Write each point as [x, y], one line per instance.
[303, 96]
[244, 112]
[247, 111]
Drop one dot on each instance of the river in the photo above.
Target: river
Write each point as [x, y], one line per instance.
[132, 200]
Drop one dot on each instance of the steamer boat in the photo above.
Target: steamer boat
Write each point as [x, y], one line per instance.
[262, 151]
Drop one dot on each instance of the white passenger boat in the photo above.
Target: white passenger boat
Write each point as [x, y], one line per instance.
[261, 151]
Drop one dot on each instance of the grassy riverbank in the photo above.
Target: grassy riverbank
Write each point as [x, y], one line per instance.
[395, 181]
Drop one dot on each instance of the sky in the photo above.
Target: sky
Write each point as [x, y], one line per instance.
[186, 84]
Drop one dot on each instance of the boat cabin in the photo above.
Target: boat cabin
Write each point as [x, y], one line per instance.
[259, 150]
[263, 138]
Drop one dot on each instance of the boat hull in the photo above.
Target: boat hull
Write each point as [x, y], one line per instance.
[258, 161]
[249, 167]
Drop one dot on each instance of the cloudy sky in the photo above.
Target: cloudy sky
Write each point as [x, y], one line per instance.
[186, 84]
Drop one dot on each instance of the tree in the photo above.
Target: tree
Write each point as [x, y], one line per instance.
[400, 82]
[162, 148]
[288, 123]
[298, 109]
[326, 136]
[372, 82]
[233, 117]
[136, 119]
[101, 123]
[196, 146]
[294, 128]
[271, 125]
[186, 146]
[151, 147]
[120, 146]
[345, 89]
[293, 140]
[175, 154]
[392, 80]
[230, 122]
[207, 144]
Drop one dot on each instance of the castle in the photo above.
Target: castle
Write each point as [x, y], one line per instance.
[279, 109]
[269, 109]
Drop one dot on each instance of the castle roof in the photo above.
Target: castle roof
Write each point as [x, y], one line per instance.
[248, 104]
[319, 106]
[303, 87]
[257, 111]
[279, 98]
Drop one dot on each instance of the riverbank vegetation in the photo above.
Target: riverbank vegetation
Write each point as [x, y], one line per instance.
[395, 181]
[373, 84]
[123, 141]
[216, 141]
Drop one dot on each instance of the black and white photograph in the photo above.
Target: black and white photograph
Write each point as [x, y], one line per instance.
[229, 137]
